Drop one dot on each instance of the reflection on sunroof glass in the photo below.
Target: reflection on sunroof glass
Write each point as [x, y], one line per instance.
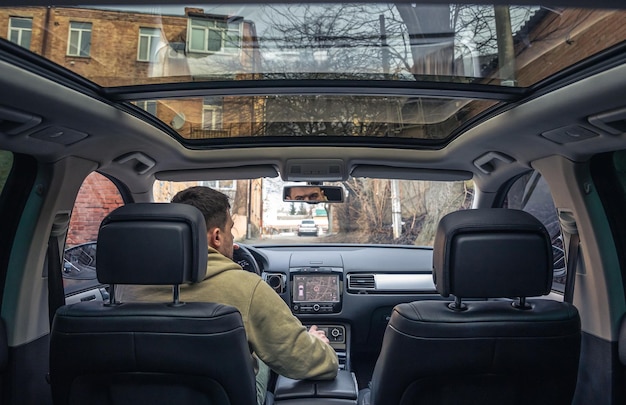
[485, 44]
[360, 116]
[301, 69]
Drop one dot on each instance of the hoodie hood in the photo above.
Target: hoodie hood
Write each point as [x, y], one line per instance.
[218, 263]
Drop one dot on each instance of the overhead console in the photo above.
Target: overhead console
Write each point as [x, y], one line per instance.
[316, 284]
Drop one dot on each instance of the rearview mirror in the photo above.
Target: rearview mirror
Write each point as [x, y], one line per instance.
[313, 194]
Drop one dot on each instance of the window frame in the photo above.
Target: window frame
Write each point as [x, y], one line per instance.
[150, 106]
[79, 46]
[216, 108]
[202, 24]
[155, 35]
[20, 31]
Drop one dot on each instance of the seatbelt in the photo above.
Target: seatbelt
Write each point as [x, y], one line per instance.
[56, 292]
[56, 295]
[568, 225]
[573, 249]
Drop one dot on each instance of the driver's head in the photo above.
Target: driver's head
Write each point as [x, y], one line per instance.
[307, 193]
[215, 208]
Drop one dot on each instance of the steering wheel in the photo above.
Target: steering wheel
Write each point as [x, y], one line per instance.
[244, 258]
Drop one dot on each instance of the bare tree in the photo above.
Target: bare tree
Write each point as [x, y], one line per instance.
[374, 42]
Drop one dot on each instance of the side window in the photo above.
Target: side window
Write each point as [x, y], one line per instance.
[532, 194]
[608, 171]
[6, 163]
[97, 197]
[17, 175]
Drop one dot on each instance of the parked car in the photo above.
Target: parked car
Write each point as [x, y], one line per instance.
[307, 227]
[410, 111]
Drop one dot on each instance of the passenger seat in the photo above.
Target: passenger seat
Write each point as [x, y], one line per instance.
[490, 345]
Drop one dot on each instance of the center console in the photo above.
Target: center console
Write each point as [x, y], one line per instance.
[337, 336]
[316, 290]
[313, 288]
[343, 390]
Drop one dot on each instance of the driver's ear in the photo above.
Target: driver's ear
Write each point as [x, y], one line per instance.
[214, 237]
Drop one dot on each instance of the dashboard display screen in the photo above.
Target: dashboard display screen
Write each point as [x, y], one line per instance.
[315, 288]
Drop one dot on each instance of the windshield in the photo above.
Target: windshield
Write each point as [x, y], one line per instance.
[375, 211]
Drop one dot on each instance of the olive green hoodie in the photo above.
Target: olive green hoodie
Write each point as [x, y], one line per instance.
[276, 336]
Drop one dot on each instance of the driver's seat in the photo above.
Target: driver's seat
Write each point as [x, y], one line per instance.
[156, 353]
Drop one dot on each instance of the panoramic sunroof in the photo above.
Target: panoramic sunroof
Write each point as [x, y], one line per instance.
[254, 70]
[339, 116]
[135, 45]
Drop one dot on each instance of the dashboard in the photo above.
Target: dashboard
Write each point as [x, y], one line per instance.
[348, 291]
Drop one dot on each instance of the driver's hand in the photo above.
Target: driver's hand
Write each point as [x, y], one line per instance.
[235, 246]
[320, 334]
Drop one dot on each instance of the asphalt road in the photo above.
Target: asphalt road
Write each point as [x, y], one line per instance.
[284, 239]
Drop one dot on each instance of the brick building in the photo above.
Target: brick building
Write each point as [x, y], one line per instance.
[152, 48]
[97, 197]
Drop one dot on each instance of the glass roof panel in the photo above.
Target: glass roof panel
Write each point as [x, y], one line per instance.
[338, 116]
[135, 45]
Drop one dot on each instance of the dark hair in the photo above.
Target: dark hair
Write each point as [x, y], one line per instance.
[213, 205]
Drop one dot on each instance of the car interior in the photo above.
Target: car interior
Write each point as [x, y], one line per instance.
[439, 188]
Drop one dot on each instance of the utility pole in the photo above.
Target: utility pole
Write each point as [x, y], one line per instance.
[506, 50]
[396, 209]
[249, 213]
[396, 214]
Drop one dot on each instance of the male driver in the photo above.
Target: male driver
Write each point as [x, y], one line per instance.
[276, 337]
[305, 193]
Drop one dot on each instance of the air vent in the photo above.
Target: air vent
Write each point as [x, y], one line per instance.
[361, 282]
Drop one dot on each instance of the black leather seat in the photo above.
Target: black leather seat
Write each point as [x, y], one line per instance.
[152, 353]
[485, 350]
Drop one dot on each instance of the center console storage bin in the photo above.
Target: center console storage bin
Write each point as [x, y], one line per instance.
[342, 390]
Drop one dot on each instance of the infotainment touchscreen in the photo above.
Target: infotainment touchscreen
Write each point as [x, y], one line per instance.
[315, 288]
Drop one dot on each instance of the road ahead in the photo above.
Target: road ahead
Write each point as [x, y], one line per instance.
[284, 239]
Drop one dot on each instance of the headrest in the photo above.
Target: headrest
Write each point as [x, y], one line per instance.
[490, 253]
[147, 243]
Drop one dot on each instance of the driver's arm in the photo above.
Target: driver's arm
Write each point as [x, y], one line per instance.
[283, 343]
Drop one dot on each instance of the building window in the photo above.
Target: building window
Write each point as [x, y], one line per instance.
[20, 31]
[148, 105]
[214, 36]
[149, 39]
[223, 185]
[212, 113]
[79, 43]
